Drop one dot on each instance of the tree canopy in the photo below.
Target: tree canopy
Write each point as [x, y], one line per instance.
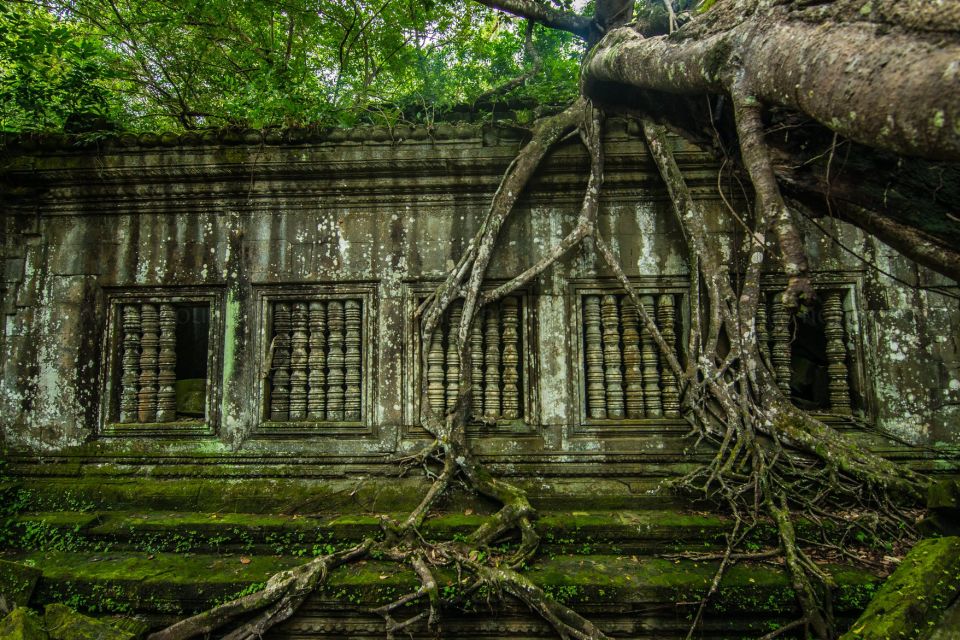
[87, 65]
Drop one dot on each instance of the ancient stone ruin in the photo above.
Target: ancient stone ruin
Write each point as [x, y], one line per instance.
[211, 362]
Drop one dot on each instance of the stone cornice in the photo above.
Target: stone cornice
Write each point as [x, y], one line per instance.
[360, 168]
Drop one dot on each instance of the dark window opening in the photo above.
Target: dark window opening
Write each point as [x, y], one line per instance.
[809, 377]
[193, 335]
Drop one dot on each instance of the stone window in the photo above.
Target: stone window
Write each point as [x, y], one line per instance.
[813, 354]
[315, 362]
[161, 356]
[624, 379]
[501, 391]
[496, 345]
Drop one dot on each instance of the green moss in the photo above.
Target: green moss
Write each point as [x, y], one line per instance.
[914, 597]
[191, 397]
[22, 624]
[17, 583]
[63, 623]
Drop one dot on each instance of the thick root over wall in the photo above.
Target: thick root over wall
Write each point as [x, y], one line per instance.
[774, 462]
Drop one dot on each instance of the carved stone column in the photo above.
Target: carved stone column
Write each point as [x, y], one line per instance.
[335, 360]
[780, 351]
[453, 358]
[280, 363]
[149, 341]
[836, 352]
[633, 372]
[352, 402]
[666, 316]
[593, 354]
[476, 368]
[491, 386]
[613, 376]
[435, 358]
[298, 361]
[651, 365]
[511, 358]
[167, 365]
[130, 363]
[317, 362]
[763, 332]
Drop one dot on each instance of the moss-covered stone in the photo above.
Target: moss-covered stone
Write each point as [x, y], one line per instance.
[912, 600]
[191, 397]
[16, 584]
[63, 623]
[137, 627]
[944, 494]
[22, 624]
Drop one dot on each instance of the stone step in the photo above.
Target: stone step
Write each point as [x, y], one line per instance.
[312, 495]
[168, 585]
[582, 532]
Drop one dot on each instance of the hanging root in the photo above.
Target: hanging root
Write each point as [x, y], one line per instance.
[772, 460]
[277, 601]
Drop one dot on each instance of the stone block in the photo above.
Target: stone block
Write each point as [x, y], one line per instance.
[17, 582]
[63, 623]
[913, 600]
[22, 624]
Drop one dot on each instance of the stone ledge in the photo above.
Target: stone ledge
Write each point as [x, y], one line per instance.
[177, 583]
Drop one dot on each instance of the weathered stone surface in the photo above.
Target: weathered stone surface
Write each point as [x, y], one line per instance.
[63, 623]
[911, 603]
[22, 624]
[17, 582]
[383, 220]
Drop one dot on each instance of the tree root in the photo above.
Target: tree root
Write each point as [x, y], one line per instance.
[772, 459]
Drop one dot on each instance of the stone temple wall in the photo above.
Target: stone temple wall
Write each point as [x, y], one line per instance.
[252, 301]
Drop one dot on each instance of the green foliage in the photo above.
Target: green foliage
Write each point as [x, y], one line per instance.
[83, 65]
[53, 76]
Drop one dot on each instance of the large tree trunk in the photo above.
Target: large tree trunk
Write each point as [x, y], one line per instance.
[879, 79]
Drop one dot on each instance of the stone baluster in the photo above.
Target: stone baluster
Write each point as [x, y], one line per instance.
[763, 332]
[476, 368]
[593, 354]
[335, 360]
[666, 317]
[298, 361]
[651, 365]
[130, 364]
[280, 363]
[613, 376]
[491, 379]
[352, 401]
[435, 359]
[633, 372]
[780, 351]
[836, 352]
[511, 358]
[149, 341]
[453, 357]
[167, 365]
[317, 362]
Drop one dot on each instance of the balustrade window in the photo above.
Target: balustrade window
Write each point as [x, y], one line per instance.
[811, 353]
[625, 376]
[315, 361]
[160, 357]
[496, 346]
